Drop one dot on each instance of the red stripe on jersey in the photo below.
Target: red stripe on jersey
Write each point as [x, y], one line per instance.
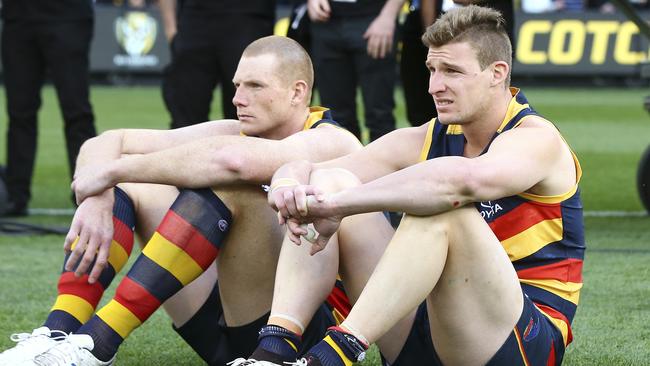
[136, 299]
[185, 236]
[568, 270]
[523, 217]
[79, 286]
[557, 315]
[551, 356]
[123, 235]
[339, 301]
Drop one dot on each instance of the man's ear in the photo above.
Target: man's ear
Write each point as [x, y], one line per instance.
[300, 93]
[500, 72]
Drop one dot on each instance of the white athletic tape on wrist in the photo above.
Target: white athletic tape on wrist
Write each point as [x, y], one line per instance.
[289, 318]
[283, 182]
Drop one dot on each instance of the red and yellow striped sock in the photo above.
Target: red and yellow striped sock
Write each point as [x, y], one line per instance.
[184, 245]
[77, 299]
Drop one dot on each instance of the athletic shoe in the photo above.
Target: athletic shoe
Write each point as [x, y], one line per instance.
[74, 350]
[251, 362]
[28, 345]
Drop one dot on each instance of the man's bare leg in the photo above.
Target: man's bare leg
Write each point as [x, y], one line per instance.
[455, 262]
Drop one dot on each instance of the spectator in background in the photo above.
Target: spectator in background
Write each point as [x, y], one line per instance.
[207, 39]
[41, 36]
[414, 73]
[352, 46]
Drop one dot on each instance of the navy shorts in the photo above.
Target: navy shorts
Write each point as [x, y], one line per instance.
[535, 341]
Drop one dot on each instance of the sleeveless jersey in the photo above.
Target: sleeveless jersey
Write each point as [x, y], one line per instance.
[542, 235]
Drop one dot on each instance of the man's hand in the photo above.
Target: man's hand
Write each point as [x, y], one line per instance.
[91, 180]
[318, 10]
[379, 36]
[90, 235]
[298, 205]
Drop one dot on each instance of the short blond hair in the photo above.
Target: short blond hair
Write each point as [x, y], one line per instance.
[294, 62]
[483, 28]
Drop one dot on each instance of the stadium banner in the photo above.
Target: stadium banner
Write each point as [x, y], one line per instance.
[578, 44]
[128, 40]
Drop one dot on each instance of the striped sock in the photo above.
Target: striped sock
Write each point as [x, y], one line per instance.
[184, 245]
[338, 348]
[277, 344]
[77, 299]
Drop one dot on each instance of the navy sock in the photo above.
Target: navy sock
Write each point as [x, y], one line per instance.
[277, 344]
[338, 348]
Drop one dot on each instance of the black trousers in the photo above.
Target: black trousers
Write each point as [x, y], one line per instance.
[205, 52]
[420, 107]
[342, 64]
[29, 49]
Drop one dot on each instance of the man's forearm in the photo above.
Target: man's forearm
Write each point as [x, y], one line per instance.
[392, 8]
[168, 15]
[104, 148]
[418, 190]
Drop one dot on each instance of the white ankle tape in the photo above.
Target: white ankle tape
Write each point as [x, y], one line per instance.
[289, 318]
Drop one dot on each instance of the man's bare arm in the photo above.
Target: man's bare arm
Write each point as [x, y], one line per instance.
[533, 159]
[168, 15]
[220, 160]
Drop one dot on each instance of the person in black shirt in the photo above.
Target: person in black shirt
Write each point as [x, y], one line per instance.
[352, 46]
[41, 36]
[207, 39]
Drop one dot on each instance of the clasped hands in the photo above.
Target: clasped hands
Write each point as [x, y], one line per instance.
[299, 205]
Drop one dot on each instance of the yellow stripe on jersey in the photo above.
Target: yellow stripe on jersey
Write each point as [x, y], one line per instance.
[522, 351]
[338, 350]
[74, 305]
[117, 256]
[119, 318]
[315, 115]
[533, 239]
[569, 291]
[454, 130]
[172, 258]
[561, 325]
[427, 140]
[513, 108]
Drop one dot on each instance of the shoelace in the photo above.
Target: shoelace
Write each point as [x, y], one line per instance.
[61, 354]
[244, 362]
[20, 337]
[300, 362]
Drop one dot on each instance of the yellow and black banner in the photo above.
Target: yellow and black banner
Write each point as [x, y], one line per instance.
[581, 43]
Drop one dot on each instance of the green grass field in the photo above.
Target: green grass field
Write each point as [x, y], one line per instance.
[607, 128]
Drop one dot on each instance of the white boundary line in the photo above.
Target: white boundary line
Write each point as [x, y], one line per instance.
[615, 213]
[70, 212]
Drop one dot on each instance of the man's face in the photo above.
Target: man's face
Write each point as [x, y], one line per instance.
[459, 88]
[262, 99]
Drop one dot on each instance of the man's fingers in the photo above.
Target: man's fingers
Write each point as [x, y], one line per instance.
[290, 204]
[78, 249]
[100, 263]
[86, 260]
[319, 244]
[70, 238]
[300, 198]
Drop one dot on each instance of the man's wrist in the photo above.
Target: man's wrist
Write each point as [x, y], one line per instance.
[283, 182]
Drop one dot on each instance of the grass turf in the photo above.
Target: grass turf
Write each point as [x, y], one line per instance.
[606, 127]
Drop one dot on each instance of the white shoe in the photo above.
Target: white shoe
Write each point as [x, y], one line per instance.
[28, 345]
[74, 350]
[251, 362]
